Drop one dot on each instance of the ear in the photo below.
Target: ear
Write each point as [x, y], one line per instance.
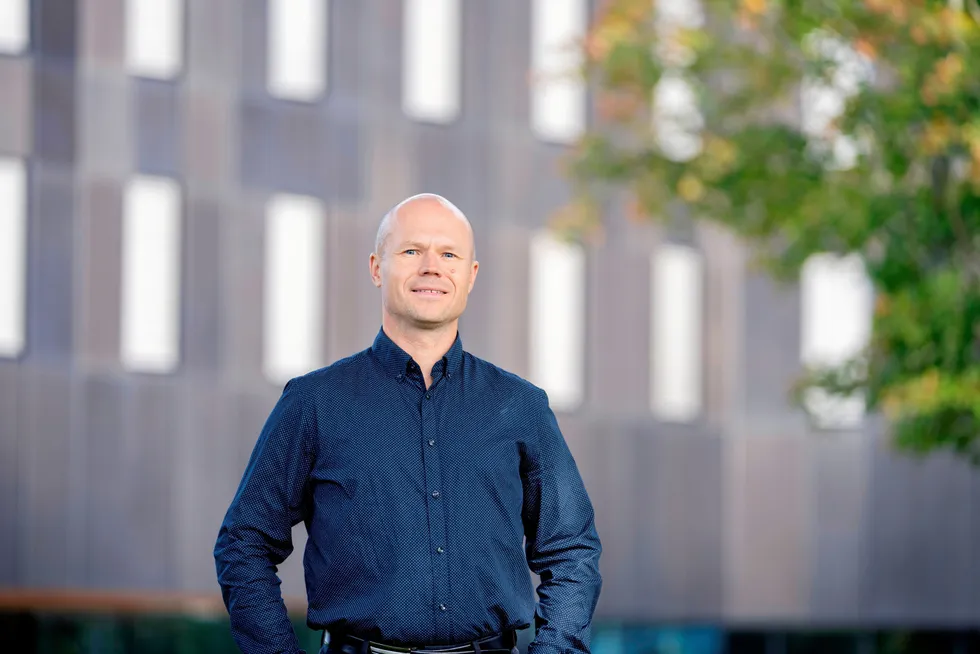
[374, 265]
[476, 269]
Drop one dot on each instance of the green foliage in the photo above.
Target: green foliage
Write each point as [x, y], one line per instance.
[893, 177]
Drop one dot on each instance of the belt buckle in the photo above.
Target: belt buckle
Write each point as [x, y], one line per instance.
[378, 649]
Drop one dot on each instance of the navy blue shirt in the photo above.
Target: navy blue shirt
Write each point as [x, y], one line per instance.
[418, 503]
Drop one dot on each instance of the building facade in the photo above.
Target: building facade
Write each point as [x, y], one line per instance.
[162, 185]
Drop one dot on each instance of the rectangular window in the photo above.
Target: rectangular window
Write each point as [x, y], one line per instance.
[431, 60]
[15, 26]
[677, 118]
[294, 287]
[151, 241]
[676, 333]
[13, 256]
[557, 310]
[558, 100]
[835, 326]
[824, 99]
[297, 47]
[154, 41]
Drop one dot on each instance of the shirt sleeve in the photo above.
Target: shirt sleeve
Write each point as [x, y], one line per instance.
[563, 546]
[256, 534]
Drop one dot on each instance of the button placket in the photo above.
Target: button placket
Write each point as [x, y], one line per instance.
[435, 506]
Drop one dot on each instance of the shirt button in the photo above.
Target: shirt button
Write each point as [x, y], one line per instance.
[428, 396]
[440, 550]
[435, 494]
[442, 607]
[432, 442]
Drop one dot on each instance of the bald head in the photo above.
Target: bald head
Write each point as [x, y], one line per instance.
[420, 202]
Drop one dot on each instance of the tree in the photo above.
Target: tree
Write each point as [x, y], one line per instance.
[849, 127]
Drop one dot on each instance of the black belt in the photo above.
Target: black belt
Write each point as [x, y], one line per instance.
[505, 643]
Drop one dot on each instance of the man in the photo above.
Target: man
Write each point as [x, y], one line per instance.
[418, 470]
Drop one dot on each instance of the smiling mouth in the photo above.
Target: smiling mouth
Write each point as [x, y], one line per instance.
[428, 291]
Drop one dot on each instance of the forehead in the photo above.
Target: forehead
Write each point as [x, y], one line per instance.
[429, 220]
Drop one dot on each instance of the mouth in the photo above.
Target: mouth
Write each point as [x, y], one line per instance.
[429, 292]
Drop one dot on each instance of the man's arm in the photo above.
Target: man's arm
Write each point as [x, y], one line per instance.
[256, 534]
[562, 544]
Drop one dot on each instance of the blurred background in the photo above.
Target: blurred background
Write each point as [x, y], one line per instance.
[188, 195]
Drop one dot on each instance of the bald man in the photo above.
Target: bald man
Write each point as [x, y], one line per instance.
[430, 482]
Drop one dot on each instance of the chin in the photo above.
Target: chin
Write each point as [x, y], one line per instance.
[424, 321]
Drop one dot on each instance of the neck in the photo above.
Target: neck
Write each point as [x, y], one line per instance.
[425, 346]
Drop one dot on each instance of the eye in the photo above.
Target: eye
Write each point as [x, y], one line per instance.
[450, 255]
[411, 251]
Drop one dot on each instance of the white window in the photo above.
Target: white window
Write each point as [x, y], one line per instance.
[14, 26]
[154, 42]
[558, 101]
[677, 119]
[431, 60]
[835, 325]
[294, 287]
[297, 46]
[676, 333]
[151, 241]
[13, 255]
[823, 102]
[557, 308]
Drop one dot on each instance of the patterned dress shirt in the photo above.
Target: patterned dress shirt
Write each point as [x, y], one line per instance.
[425, 509]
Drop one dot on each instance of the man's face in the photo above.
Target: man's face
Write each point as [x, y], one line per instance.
[426, 269]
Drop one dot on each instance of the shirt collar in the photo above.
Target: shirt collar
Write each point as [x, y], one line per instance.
[395, 360]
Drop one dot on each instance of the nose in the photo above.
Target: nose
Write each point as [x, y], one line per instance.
[429, 265]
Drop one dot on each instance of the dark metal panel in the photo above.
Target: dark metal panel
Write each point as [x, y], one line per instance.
[54, 106]
[108, 402]
[102, 26]
[17, 117]
[507, 26]
[700, 463]
[209, 138]
[242, 252]
[281, 146]
[10, 482]
[611, 480]
[839, 472]
[353, 307]
[152, 431]
[768, 510]
[214, 41]
[44, 474]
[105, 123]
[292, 147]
[504, 273]
[380, 57]
[618, 344]
[253, 15]
[920, 540]
[347, 29]
[201, 297]
[206, 475]
[50, 265]
[158, 125]
[55, 33]
[98, 308]
[772, 346]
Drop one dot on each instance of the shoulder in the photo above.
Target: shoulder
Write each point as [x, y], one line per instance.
[331, 377]
[506, 383]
